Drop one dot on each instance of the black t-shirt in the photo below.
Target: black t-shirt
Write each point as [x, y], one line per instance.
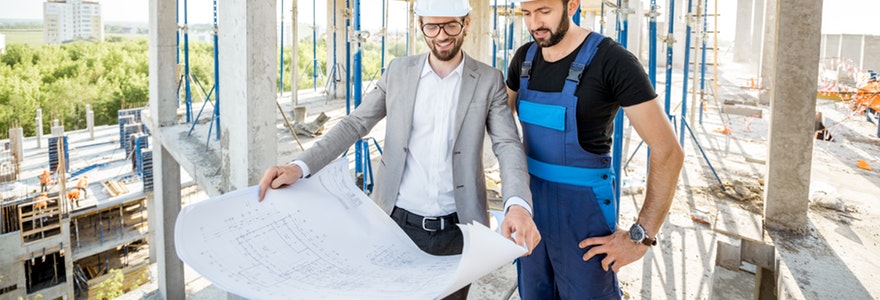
[614, 78]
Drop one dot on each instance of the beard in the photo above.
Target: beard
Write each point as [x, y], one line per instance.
[447, 55]
[555, 36]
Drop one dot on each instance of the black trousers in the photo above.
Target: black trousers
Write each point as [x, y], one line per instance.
[446, 241]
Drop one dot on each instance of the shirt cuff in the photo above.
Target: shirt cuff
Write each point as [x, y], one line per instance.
[302, 165]
[517, 201]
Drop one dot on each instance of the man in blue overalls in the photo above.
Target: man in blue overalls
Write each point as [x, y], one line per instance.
[566, 88]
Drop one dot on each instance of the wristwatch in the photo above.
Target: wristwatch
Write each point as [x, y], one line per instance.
[638, 235]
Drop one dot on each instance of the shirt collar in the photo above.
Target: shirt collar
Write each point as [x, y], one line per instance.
[428, 70]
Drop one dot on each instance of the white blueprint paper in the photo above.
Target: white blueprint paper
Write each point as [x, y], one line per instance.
[322, 238]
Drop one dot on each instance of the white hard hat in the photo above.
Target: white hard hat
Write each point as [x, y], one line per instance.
[442, 8]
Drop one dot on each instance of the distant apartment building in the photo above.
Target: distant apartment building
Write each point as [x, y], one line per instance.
[69, 20]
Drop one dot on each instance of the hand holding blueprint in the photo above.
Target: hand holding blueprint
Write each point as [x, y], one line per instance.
[323, 238]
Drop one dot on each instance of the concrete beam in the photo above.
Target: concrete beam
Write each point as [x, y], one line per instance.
[248, 44]
[792, 108]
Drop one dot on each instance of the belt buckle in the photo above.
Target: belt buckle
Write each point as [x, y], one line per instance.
[424, 219]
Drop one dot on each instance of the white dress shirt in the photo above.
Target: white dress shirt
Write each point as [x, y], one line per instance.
[426, 188]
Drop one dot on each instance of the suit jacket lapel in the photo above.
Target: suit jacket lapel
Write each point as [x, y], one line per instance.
[410, 90]
[469, 80]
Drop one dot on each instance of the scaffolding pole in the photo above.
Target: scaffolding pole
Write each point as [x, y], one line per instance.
[314, 46]
[703, 60]
[186, 62]
[281, 60]
[617, 144]
[687, 57]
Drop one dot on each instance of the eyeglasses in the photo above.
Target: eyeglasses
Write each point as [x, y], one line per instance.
[450, 28]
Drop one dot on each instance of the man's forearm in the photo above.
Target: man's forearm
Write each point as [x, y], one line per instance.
[665, 167]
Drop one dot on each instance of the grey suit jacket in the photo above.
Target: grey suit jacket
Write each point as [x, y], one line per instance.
[482, 108]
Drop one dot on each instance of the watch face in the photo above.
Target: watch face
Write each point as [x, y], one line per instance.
[636, 233]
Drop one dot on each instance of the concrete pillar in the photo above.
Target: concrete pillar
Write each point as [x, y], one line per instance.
[39, 130]
[590, 20]
[850, 47]
[247, 53]
[16, 137]
[679, 33]
[336, 46]
[872, 45]
[862, 54]
[412, 29]
[166, 206]
[767, 55]
[742, 44]
[163, 112]
[635, 18]
[55, 123]
[90, 121]
[792, 110]
[478, 42]
[57, 131]
[834, 43]
[294, 54]
[757, 36]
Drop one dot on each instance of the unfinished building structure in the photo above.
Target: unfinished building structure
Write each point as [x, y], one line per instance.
[73, 207]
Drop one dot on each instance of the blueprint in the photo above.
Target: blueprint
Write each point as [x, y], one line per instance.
[324, 238]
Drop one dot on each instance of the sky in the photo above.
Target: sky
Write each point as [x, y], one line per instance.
[844, 16]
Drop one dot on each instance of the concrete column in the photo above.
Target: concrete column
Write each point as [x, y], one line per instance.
[163, 112]
[590, 20]
[294, 54]
[90, 121]
[832, 45]
[872, 45]
[166, 207]
[862, 54]
[757, 35]
[850, 47]
[336, 47]
[16, 136]
[57, 131]
[792, 109]
[39, 130]
[412, 29]
[742, 43]
[767, 55]
[679, 33]
[478, 42]
[247, 55]
[635, 18]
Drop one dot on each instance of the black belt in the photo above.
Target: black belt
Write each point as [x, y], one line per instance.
[426, 223]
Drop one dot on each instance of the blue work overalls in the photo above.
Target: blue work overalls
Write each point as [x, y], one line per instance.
[572, 191]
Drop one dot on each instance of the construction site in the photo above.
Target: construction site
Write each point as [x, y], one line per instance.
[777, 198]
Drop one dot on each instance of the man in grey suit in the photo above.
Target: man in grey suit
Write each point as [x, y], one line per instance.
[439, 107]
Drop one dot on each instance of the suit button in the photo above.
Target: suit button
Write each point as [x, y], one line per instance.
[607, 201]
[405, 149]
[460, 186]
[605, 176]
[456, 152]
[604, 161]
